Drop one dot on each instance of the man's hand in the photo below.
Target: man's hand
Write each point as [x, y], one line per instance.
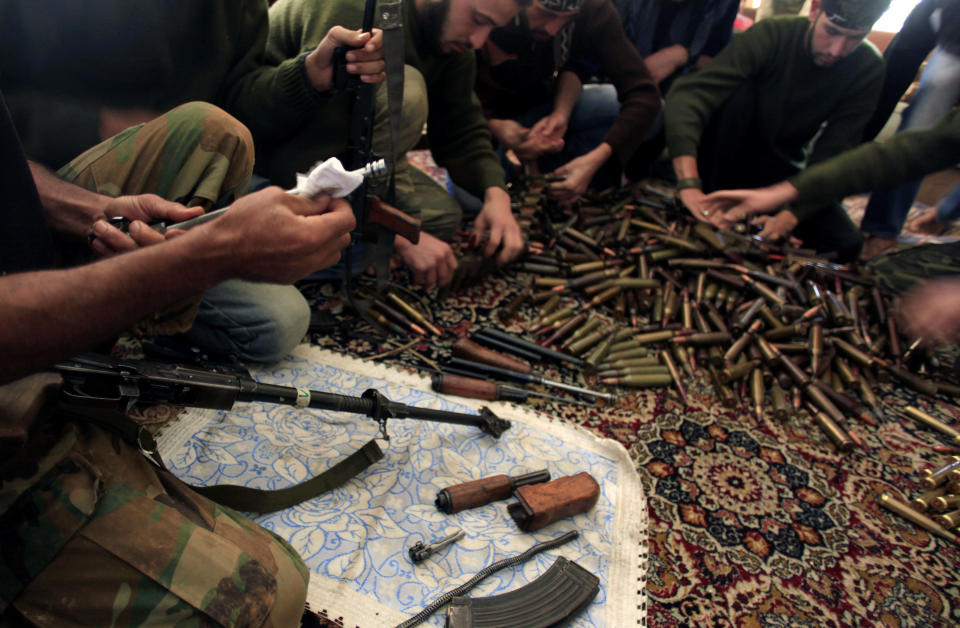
[778, 226]
[535, 146]
[695, 201]
[665, 61]
[278, 237]
[741, 204]
[578, 173]
[140, 209]
[508, 132]
[553, 126]
[366, 60]
[431, 260]
[497, 219]
[931, 311]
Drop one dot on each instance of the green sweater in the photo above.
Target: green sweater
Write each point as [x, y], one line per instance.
[904, 157]
[796, 98]
[61, 63]
[457, 129]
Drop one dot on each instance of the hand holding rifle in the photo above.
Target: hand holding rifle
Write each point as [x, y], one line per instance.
[365, 59]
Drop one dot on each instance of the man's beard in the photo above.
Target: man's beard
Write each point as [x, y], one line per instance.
[432, 19]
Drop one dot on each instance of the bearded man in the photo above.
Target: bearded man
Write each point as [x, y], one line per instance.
[533, 82]
[787, 92]
[440, 37]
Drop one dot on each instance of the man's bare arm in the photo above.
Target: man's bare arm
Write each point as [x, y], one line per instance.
[268, 236]
[68, 208]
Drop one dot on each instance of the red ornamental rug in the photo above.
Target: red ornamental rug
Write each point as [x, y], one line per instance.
[752, 523]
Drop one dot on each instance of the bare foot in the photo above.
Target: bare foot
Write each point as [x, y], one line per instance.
[876, 246]
[927, 223]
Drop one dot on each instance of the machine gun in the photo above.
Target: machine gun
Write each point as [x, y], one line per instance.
[100, 389]
[95, 380]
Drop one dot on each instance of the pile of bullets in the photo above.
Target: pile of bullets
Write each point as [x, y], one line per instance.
[641, 293]
[937, 509]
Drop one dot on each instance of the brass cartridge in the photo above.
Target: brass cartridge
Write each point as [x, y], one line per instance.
[741, 343]
[756, 392]
[840, 438]
[656, 369]
[724, 392]
[778, 397]
[565, 329]
[895, 505]
[630, 363]
[602, 349]
[943, 503]
[674, 374]
[710, 338]
[737, 371]
[786, 332]
[584, 344]
[934, 478]
[640, 381]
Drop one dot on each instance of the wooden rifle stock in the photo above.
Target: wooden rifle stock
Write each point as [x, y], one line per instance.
[469, 350]
[394, 220]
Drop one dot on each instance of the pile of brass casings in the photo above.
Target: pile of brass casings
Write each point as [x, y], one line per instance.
[648, 296]
[937, 509]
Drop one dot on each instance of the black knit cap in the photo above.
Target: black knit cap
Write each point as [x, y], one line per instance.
[561, 6]
[858, 15]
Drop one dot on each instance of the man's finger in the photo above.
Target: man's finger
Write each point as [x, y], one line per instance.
[112, 238]
[338, 221]
[144, 235]
[493, 243]
[734, 215]
[347, 37]
[369, 69]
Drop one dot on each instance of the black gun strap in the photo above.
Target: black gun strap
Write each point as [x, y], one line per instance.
[391, 23]
[259, 500]
[232, 495]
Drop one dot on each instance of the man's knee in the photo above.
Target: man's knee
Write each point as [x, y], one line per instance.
[256, 321]
[223, 154]
[422, 197]
[219, 128]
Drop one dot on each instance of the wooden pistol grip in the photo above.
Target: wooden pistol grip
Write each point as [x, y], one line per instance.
[479, 492]
[394, 220]
[542, 504]
[465, 386]
[469, 350]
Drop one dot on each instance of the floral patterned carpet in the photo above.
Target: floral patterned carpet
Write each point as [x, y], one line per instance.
[752, 522]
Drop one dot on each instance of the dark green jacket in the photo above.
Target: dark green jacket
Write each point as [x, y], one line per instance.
[903, 157]
[795, 97]
[457, 130]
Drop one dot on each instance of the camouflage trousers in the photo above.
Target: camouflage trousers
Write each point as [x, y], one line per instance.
[97, 536]
[195, 154]
[198, 155]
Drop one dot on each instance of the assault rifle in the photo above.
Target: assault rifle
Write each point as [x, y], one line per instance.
[95, 380]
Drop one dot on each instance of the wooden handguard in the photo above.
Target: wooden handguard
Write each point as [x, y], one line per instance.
[474, 493]
[469, 350]
[539, 505]
[394, 220]
[465, 387]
